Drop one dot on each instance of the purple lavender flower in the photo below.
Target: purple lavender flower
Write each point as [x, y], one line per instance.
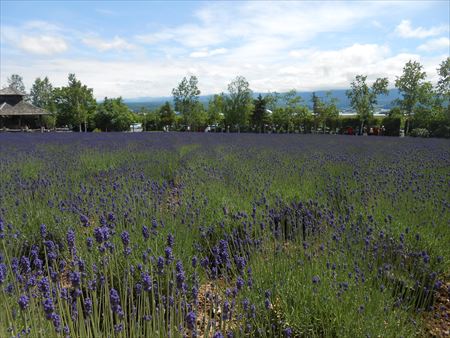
[25, 265]
[287, 332]
[23, 302]
[226, 310]
[88, 306]
[118, 328]
[160, 264]
[44, 287]
[145, 232]
[75, 278]
[84, 220]
[245, 304]
[125, 238]
[89, 242]
[43, 230]
[56, 319]
[169, 255]
[316, 280]
[71, 239]
[48, 307]
[114, 297]
[146, 281]
[191, 320]
[101, 234]
[170, 240]
[180, 275]
[239, 283]
[3, 273]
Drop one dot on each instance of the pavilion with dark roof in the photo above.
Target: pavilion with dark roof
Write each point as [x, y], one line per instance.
[15, 113]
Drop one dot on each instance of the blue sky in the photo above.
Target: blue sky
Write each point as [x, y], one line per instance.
[135, 49]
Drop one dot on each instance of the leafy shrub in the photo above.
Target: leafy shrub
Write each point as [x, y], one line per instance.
[420, 132]
[391, 125]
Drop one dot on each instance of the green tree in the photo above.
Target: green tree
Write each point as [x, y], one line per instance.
[150, 118]
[329, 112]
[15, 81]
[259, 114]
[75, 103]
[317, 104]
[186, 98]
[42, 95]
[166, 115]
[199, 117]
[291, 102]
[414, 89]
[238, 103]
[216, 107]
[272, 100]
[443, 84]
[364, 98]
[302, 117]
[113, 115]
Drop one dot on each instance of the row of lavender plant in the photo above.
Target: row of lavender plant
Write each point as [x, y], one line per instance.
[214, 235]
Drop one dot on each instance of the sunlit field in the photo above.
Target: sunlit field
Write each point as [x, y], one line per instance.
[222, 235]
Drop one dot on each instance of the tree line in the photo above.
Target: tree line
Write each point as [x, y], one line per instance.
[422, 109]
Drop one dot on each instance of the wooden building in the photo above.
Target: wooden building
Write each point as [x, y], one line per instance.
[16, 113]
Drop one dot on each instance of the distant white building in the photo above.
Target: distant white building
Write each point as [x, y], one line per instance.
[136, 127]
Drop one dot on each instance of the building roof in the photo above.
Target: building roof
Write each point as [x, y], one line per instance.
[10, 91]
[21, 108]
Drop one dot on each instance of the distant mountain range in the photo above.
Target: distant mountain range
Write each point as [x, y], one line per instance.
[384, 101]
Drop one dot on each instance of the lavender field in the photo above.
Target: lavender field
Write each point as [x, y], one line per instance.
[223, 235]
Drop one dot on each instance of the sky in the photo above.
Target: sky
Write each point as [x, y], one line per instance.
[144, 49]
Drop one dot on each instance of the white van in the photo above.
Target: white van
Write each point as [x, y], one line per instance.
[136, 127]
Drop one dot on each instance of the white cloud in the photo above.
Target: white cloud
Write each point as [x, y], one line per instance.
[103, 45]
[294, 21]
[405, 30]
[276, 46]
[36, 37]
[436, 44]
[315, 70]
[205, 53]
[43, 44]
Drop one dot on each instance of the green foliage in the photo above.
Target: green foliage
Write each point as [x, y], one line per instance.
[113, 115]
[216, 108]
[166, 115]
[259, 114]
[443, 84]
[75, 103]
[392, 125]
[150, 119]
[272, 100]
[364, 98]
[413, 88]
[199, 117]
[42, 95]
[420, 132]
[238, 103]
[186, 99]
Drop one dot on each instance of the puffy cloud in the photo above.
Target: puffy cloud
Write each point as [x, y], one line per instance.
[315, 70]
[104, 45]
[435, 44]
[42, 44]
[205, 53]
[36, 37]
[405, 30]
